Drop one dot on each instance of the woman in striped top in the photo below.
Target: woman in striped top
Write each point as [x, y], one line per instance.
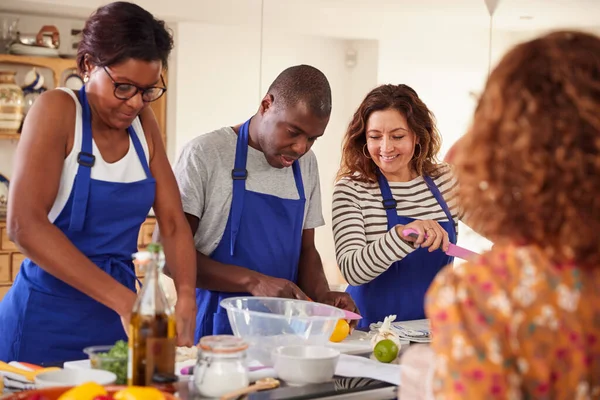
[389, 181]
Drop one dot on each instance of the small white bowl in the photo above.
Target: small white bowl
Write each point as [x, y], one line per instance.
[74, 377]
[303, 365]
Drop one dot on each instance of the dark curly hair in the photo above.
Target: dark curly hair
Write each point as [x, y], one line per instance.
[529, 168]
[420, 120]
[119, 31]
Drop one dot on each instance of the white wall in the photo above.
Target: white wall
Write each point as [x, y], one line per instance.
[217, 78]
[443, 64]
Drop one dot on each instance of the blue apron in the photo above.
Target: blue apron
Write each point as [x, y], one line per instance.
[263, 233]
[44, 320]
[401, 289]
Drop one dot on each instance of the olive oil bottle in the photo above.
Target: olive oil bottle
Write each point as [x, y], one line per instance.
[152, 327]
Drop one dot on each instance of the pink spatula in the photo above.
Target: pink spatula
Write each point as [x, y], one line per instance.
[453, 250]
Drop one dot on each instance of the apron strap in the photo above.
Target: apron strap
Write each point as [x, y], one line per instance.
[86, 160]
[139, 150]
[389, 203]
[440, 199]
[125, 267]
[298, 179]
[239, 174]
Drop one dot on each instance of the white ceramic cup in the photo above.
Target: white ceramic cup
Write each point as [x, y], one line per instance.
[74, 377]
[303, 365]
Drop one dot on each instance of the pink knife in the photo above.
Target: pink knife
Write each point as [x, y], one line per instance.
[453, 250]
[349, 315]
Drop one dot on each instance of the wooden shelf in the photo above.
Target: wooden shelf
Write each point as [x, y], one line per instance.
[59, 65]
[54, 63]
[9, 136]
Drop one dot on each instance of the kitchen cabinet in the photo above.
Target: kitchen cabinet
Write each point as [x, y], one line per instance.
[11, 258]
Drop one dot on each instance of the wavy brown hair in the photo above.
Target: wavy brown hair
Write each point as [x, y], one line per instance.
[420, 120]
[529, 168]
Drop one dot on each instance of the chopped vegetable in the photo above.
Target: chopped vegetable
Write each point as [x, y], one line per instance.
[115, 361]
[87, 391]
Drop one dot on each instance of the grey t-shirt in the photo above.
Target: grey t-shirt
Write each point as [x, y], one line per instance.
[203, 172]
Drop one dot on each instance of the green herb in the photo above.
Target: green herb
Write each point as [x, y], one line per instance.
[115, 361]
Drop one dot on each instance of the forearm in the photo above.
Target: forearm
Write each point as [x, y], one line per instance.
[213, 275]
[50, 249]
[180, 255]
[311, 276]
[360, 262]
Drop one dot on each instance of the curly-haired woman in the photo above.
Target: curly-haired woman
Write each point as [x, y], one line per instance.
[389, 181]
[523, 320]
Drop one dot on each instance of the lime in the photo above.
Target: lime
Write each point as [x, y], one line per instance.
[385, 351]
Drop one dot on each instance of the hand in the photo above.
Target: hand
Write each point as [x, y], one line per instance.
[267, 286]
[437, 237]
[340, 300]
[185, 317]
[125, 307]
[125, 321]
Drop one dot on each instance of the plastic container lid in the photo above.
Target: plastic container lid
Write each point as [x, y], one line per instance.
[223, 344]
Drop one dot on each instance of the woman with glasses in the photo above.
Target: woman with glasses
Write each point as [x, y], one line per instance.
[89, 166]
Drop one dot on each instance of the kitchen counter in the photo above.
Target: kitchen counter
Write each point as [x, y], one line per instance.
[339, 388]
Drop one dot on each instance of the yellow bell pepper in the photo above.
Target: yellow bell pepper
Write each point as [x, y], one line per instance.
[139, 393]
[86, 391]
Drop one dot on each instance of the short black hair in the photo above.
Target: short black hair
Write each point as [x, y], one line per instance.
[121, 30]
[303, 83]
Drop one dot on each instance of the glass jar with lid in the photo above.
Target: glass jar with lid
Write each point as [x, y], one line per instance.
[221, 365]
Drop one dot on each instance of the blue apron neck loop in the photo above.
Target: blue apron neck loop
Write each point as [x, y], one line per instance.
[389, 203]
[440, 199]
[86, 161]
[239, 174]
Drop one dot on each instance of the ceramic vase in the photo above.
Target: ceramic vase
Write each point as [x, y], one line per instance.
[11, 103]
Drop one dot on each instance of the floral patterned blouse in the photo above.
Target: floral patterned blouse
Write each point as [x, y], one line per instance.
[510, 325]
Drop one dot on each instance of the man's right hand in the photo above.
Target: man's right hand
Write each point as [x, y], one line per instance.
[267, 286]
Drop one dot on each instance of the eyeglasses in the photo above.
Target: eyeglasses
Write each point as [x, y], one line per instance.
[125, 91]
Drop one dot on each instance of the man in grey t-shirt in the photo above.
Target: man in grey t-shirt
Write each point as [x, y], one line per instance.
[252, 216]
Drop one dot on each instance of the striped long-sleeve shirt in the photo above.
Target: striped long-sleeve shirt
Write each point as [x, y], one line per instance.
[365, 248]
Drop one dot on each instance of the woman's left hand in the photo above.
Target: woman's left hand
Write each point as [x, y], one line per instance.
[185, 317]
